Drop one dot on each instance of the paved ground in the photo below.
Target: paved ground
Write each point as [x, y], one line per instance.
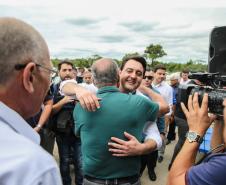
[161, 169]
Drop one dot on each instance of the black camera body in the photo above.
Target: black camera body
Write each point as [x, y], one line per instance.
[213, 82]
[215, 96]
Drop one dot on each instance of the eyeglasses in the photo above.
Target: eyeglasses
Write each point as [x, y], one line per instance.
[149, 77]
[21, 66]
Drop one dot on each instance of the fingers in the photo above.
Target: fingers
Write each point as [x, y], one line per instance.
[89, 102]
[205, 102]
[117, 140]
[190, 107]
[128, 136]
[195, 102]
[114, 146]
[87, 99]
[95, 102]
[82, 102]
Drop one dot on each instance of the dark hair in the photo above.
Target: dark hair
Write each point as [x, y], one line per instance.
[185, 71]
[65, 62]
[159, 66]
[139, 59]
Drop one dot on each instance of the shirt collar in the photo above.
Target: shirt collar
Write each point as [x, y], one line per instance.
[17, 123]
[107, 89]
[156, 85]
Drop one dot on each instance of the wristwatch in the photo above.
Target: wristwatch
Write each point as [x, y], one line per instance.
[194, 137]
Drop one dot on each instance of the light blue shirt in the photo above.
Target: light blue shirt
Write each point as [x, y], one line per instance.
[22, 160]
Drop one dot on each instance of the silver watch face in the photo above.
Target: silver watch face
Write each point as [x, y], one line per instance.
[192, 136]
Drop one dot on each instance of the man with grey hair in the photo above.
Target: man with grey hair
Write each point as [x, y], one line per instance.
[25, 78]
[112, 118]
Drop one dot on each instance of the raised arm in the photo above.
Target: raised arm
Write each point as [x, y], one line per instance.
[198, 121]
[163, 106]
[44, 115]
[87, 99]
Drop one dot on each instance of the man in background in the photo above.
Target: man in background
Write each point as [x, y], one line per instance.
[167, 92]
[184, 77]
[174, 83]
[69, 145]
[88, 82]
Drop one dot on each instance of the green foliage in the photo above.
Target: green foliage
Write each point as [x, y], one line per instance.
[127, 55]
[190, 65]
[153, 52]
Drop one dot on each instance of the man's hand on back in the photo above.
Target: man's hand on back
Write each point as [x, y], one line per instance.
[121, 148]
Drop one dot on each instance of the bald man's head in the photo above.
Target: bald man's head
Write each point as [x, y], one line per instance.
[105, 72]
[20, 43]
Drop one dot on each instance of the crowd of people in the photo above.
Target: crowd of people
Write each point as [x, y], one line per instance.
[109, 122]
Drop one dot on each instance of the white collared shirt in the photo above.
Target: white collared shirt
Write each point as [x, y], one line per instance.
[91, 87]
[167, 93]
[22, 160]
[182, 82]
[150, 129]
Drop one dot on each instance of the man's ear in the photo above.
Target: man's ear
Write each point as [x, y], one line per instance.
[28, 77]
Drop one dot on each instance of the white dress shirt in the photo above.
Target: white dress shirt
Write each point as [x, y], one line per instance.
[167, 93]
[182, 82]
[91, 87]
[22, 160]
[150, 129]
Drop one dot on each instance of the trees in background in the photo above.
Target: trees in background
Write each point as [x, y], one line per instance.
[151, 53]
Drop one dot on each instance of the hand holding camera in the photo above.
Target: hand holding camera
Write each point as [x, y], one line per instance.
[197, 116]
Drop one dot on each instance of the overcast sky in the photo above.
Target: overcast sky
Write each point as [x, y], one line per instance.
[111, 28]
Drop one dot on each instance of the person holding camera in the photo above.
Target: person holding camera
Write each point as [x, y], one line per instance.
[212, 169]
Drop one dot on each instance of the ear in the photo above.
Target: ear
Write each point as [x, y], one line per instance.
[28, 78]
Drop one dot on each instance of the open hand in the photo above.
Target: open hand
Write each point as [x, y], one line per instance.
[121, 148]
[197, 117]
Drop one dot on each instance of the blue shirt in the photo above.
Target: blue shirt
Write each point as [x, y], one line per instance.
[212, 171]
[22, 160]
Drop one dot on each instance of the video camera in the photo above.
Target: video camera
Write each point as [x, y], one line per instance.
[213, 82]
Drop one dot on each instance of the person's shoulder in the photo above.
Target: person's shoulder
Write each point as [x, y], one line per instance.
[140, 98]
[166, 85]
[19, 154]
[218, 157]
